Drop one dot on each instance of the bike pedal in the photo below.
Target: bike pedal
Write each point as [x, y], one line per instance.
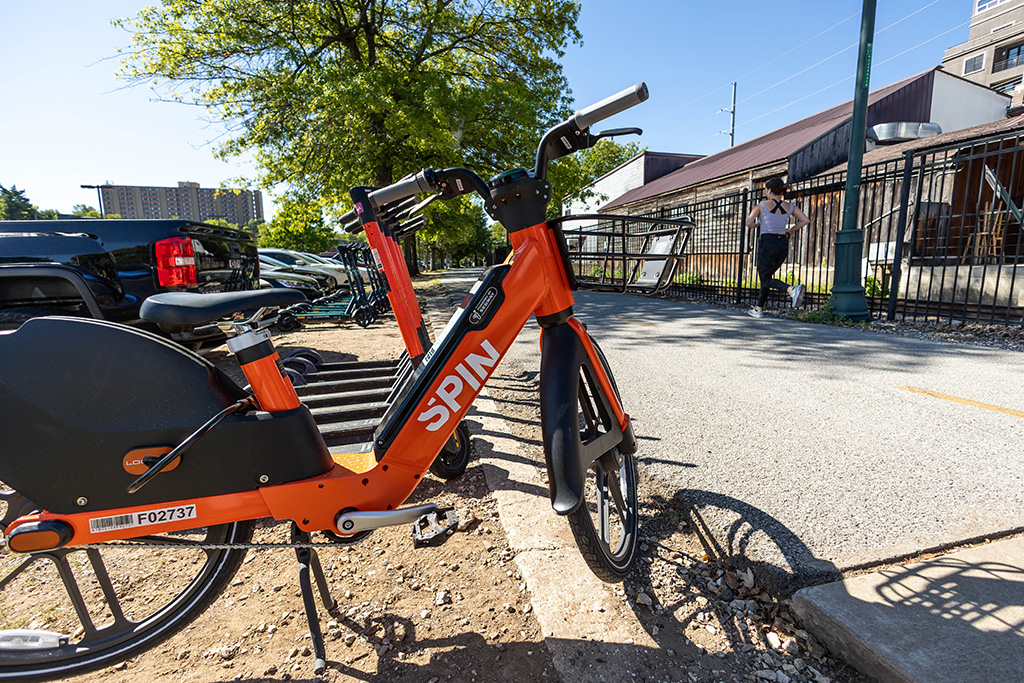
[434, 528]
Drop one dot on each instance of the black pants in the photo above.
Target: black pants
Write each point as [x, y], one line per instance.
[772, 251]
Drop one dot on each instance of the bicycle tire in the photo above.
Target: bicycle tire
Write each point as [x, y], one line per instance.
[451, 464]
[113, 643]
[609, 558]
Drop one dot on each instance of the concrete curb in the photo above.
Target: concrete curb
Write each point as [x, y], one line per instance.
[953, 618]
[586, 626]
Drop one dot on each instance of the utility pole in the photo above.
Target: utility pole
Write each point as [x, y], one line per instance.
[848, 286]
[732, 112]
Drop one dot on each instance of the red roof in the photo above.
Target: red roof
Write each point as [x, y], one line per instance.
[774, 146]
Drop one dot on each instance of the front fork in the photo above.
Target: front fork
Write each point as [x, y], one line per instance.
[572, 372]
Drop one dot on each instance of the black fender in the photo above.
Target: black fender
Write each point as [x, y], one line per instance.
[564, 362]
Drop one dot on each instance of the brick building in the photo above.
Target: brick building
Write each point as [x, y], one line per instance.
[187, 200]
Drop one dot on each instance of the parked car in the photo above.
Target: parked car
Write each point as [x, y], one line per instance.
[324, 280]
[105, 269]
[299, 259]
[280, 278]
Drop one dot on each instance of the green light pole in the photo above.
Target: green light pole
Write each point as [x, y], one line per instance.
[848, 286]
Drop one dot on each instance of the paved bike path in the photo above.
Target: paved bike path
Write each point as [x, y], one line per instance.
[813, 450]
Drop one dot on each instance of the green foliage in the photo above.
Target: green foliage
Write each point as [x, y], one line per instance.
[690, 279]
[873, 286]
[15, 205]
[85, 211]
[459, 229]
[571, 174]
[335, 93]
[827, 315]
[298, 225]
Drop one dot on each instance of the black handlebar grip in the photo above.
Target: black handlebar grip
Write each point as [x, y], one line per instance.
[611, 105]
[414, 183]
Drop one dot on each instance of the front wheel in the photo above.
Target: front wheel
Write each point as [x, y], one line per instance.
[605, 525]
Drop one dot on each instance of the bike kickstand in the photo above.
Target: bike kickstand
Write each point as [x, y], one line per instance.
[308, 559]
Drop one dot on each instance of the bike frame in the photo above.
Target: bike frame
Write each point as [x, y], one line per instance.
[532, 282]
[535, 280]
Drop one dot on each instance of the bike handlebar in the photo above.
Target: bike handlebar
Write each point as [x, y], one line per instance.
[414, 183]
[610, 106]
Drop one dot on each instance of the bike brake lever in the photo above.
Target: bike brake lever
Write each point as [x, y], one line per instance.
[615, 132]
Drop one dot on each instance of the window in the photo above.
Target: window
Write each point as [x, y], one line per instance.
[983, 5]
[1007, 86]
[974, 64]
[1009, 58]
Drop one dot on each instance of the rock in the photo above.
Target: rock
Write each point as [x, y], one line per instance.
[765, 675]
[425, 614]
[791, 647]
[773, 640]
[466, 518]
[781, 677]
[350, 639]
[644, 599]
[443, 598]
[270, 670]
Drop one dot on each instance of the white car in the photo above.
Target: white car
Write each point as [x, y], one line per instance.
[299, 259]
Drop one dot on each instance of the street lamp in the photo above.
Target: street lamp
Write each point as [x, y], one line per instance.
[99, 195]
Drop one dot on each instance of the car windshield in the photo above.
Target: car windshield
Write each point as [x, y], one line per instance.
[272, 261]
[318, 259]
[284, 257]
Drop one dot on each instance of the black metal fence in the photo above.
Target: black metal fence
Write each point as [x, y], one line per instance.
[942, 237]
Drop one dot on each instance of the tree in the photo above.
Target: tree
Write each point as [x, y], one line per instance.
[299, 225]
[336, 93]
[571, 174]
[15, 206]
[85, 211]
[457, 229]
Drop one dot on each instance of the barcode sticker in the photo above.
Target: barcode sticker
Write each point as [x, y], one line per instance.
[144, 518]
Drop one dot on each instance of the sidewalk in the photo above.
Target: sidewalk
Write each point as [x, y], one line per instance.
[881, 476]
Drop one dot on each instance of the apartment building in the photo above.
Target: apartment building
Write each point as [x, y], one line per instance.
[993, 55]
[187, 200]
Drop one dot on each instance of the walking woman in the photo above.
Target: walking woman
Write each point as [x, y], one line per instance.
[773, 247]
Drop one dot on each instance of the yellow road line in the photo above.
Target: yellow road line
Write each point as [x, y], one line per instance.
[965, 401]
[635, 322]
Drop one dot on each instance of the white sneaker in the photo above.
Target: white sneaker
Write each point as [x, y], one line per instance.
[754, 313]
[798, 295]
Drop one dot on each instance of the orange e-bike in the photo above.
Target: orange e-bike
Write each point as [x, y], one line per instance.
[116, 441]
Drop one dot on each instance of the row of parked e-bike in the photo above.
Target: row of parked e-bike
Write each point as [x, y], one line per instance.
[348, 399]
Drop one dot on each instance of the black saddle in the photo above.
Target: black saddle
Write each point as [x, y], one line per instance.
[190, 308]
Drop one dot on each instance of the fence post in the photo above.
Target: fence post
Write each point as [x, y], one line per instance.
[901, 231]
[743, 246]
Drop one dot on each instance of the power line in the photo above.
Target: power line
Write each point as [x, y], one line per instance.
[805, 70]
[847, 80]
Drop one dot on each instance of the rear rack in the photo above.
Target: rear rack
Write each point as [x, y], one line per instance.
[612, 254]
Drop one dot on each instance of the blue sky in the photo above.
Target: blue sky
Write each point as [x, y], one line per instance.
[68, 122]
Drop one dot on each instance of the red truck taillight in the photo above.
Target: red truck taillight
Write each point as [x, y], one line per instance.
[176, 262]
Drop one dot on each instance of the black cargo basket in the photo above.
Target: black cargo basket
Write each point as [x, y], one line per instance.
[637, 254]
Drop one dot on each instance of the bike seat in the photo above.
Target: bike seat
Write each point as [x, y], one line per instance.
[190, 308]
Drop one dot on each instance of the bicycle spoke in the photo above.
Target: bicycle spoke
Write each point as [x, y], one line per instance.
[106, 586]
[615, 487]
[603, 513]
[18, 570]
[67, 575]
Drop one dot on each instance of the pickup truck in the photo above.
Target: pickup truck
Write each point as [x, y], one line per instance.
[106, 268]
